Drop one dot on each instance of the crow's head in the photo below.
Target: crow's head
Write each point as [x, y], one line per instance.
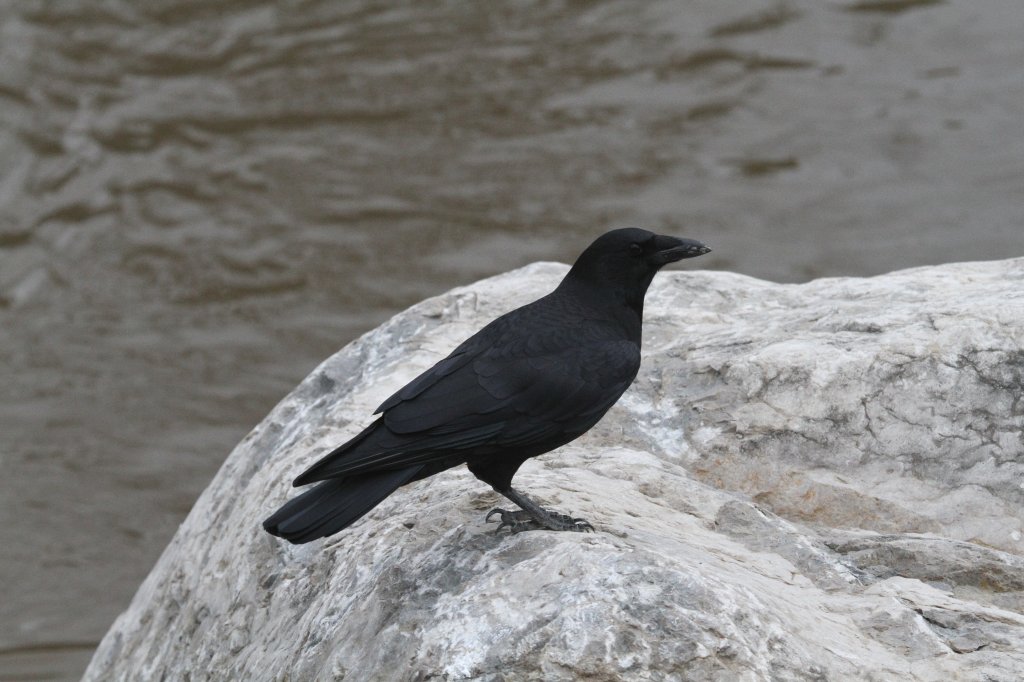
[627, 259]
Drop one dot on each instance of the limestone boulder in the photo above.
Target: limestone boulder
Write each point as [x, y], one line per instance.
[806, 482]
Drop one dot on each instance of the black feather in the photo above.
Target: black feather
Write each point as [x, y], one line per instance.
[333, 505]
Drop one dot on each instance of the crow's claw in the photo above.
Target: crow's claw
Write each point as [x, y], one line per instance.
[515, 521]
[520, 520]
[567, 522]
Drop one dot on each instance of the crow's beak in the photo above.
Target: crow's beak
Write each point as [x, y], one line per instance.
[671, 249]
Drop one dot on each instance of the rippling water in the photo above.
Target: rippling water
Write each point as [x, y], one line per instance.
[199, 201]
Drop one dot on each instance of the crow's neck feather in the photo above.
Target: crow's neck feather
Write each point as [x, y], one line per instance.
[616, 301]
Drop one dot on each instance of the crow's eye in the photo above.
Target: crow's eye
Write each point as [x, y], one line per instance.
[636, 249]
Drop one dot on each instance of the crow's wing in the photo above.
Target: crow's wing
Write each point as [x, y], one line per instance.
[516, 383]
[534, 329]
[547, 361]
[504, 385]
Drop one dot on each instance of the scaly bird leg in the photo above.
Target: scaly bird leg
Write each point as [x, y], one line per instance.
[534, 517]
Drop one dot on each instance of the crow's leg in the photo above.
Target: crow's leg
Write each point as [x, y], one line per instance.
[533, 516]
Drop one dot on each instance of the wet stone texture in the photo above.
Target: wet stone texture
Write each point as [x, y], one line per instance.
[806, 482]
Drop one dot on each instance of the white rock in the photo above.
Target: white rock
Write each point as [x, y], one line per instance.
[806, 482]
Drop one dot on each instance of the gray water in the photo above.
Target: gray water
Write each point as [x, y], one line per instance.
[201, 200]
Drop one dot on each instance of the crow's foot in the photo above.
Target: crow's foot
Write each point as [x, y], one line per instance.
[520, 520]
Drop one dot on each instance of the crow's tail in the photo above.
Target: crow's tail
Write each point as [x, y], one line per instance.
[334, 504]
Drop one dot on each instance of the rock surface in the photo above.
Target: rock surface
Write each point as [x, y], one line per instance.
[806, 482]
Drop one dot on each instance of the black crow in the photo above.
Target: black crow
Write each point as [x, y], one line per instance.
[528, 382]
